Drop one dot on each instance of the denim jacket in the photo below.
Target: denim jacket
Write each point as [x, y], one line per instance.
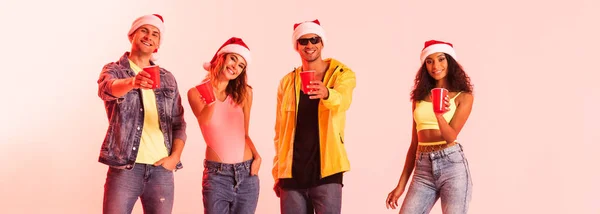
[126, 115]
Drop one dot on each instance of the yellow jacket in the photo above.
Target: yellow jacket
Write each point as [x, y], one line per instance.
[340, 81]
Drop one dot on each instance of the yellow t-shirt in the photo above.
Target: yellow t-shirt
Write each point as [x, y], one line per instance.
[152, 144]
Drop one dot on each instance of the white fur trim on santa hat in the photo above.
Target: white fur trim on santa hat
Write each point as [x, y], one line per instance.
[444, 48]
[232, 48]
[149, 20]
[307, 28]
[155, 57]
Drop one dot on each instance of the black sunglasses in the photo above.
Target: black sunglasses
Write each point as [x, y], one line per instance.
[314, 40]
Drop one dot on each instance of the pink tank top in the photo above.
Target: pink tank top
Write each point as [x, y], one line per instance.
[224, 131]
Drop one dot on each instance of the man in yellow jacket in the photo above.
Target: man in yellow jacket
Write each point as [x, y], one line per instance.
[310, 157]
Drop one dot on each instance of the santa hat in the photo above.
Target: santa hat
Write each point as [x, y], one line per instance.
[303, 28]
[434, 46]
[232, 45]
[154, 20]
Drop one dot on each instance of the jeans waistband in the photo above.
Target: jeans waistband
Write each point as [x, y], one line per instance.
[131, 166]
[441, 153]
[227, 166]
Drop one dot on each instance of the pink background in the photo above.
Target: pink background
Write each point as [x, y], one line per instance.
[531, 140]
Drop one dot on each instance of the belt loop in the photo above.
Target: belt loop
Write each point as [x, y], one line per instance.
[220, 167]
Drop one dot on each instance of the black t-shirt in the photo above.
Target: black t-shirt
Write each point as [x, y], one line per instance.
[306, 165]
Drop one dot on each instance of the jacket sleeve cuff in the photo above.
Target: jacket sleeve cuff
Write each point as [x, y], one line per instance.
[180, 134]
[333, 100]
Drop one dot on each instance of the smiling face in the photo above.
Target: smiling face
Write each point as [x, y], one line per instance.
[309, 46]
[146, 39]
[437, 65]
[233, 65]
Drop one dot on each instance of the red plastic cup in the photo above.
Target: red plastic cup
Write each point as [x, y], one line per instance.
[437, 98]
[154, 72]
[306, 77]
[206, 91]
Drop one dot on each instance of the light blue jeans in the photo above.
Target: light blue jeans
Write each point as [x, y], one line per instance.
[229, 188]
[441, 174]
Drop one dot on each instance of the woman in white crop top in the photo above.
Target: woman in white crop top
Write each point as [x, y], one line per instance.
[230, 181]
[440, 167]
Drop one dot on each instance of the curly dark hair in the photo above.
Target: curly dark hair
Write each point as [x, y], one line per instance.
[236, 88]
[458, 80]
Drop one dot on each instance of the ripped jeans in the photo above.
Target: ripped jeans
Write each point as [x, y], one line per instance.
[441, 174]
[154, 185]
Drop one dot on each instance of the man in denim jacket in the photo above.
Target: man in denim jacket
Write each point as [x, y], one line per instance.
[146, 132]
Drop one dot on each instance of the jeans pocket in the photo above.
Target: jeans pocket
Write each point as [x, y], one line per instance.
[208, 176]
[165, 169]
[418, 159]
[455, 157]
[210, 170]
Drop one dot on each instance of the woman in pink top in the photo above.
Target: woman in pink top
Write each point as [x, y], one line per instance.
[230, 183]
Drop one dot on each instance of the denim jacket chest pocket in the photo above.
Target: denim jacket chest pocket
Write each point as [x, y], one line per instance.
[166, 94]
[130, 108]
[165, 99]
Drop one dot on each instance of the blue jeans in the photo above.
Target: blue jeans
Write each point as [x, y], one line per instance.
[229, 188]
[154, 185]
[441, 174]
[322, 199]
